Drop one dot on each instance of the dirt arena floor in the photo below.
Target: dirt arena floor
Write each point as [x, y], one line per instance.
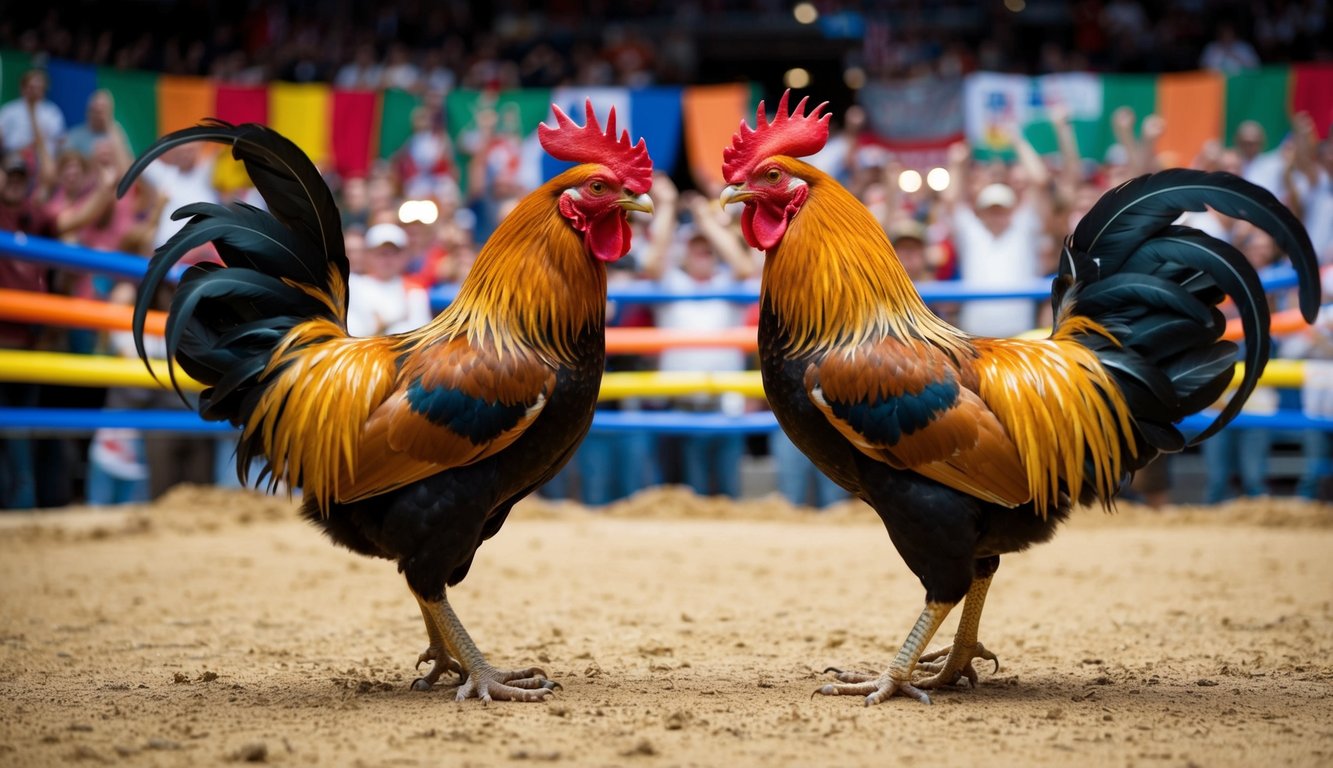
[216, 628]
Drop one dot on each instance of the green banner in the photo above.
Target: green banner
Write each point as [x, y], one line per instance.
[1261, 95]
[12, 66]
[395, 119]
[135, 93]
[1138, 92]
[521, 110]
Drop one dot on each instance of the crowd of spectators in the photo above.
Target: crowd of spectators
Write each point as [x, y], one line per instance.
[995, 224]
[435, 46]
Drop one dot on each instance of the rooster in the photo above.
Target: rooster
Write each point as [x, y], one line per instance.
[411, 447]
[969, 448]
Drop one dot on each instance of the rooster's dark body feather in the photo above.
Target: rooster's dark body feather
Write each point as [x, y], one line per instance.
[411, 447]
[968, 447]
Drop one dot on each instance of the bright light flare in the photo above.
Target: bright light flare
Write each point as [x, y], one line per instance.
[805, 13]
[424, 211]
[938, 179]
[797, 78]
[909, 181]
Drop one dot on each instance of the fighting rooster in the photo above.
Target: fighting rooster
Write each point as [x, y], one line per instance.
[969, 448]
[411, 447]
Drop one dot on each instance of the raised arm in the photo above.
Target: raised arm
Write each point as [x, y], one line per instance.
[1071, 162]
[662, 229]
[728, 246]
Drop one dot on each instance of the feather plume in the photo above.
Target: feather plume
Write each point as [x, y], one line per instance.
[283, 175]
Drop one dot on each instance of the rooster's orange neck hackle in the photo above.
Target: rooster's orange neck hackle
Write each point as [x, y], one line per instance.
[533, 285]
[835, 279]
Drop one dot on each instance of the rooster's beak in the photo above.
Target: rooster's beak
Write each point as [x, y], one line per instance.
[736, 193]
[636, 203]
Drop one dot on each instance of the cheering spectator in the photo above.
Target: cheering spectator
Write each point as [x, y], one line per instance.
[183, 175]
[997, 239]
[426, 160]
[380, 300]
[1228, 53]
[362, 72]
[17, 130]
[100, 126]
[704, 257]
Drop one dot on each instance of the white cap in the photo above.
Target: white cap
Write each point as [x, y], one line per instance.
[386, 234]
[996, 194]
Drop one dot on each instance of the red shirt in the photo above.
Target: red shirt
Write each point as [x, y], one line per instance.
[22, 275]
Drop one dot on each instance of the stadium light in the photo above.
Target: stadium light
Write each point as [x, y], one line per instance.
[909, 181]
[797, 78]
[805, 13]
[424, 211]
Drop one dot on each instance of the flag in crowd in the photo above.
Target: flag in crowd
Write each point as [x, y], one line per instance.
[1197, 107]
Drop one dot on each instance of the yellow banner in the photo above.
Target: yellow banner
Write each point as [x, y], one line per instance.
[301, 112]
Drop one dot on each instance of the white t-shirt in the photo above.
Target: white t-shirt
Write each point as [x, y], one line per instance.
[1266, 171]
[16, 126]
[180, 188]
[1319, 217]
[381, 308]
[987, 261]
[699, 315]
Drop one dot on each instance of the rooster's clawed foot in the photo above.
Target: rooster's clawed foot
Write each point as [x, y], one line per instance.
[949, 665]
[875, 688]
[441, 662]
[488, 683]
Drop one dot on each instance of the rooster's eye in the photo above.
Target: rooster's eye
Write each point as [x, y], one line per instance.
[773, 175]
[597, 187]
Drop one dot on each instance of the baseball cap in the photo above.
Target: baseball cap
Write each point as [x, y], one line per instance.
[386, 234]
[996, 194]
[906, 229]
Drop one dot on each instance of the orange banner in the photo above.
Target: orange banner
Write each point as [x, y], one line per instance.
[183, 101]
[1192, 104]
[712, 113]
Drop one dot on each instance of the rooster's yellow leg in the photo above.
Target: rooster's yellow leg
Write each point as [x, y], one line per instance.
[484, 681]
[898, 678]
[955, 662]
[437, 653]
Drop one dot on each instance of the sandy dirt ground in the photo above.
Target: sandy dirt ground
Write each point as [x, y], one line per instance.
[216, 628]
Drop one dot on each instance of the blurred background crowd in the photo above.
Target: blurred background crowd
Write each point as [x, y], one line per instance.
[414, 221]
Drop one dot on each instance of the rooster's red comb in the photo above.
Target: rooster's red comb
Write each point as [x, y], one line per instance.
[794, 134]
[588, 144]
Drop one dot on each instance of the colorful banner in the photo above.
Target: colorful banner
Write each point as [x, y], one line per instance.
[515, 115]
[12, 66]
[300, 111]
[354, 120]
[237, 104]
[183, 102]
[395, 120]
[1312, 93]
[135, 95]
[652, 114]
[1190, 103]
[1263, 95]
[347, 130]
[915, 119]
[711, 115]
[1196, 107]
[71, 85]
